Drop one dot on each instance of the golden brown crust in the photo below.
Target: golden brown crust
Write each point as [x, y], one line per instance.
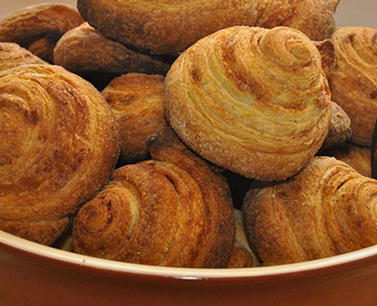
[242, 256]
[251, 100]
[171, 211]
[353, 78]
[357, 157]
[339, 129]
[12, 55]
[136, 102]
[167, 27]
[83, 49]
[39, 27]
[327, 209]
[59, 145]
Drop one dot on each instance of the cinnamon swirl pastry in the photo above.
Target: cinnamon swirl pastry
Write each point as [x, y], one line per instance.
[59, 143]
[327, 209]
[136, 102]
[251, 100]
[173, 210]
[351, 68]
[12, 55]
[84, 50]
[39, 27]
[169, 27]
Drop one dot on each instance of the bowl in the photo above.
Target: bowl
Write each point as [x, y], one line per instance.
[33, 274]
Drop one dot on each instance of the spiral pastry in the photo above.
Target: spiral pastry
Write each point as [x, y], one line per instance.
[59, 143]
[136, 102]
[173, 210]
[169, 27]
[251, 100]
[357, 157]
[352, 76]
[85, 50]
[327, 209]
[39, 27]
[12, 55]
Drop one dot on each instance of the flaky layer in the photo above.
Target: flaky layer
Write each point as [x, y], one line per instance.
[59, 145]
[172, 211]
[327, 209]
[252, 100]
[352, 74]
[12, 56]
[166, 27]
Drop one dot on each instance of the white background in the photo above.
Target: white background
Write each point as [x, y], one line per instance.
[350, 12]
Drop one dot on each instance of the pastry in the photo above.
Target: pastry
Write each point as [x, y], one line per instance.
[169, 27]
[59, 144]
[350, 62]
[242, 256]
[374, 153]
[339, 129]
[12, 55]
[136, 102]
[39, 27]
[252, 100]
[357, 157]
[173, 210]
[85, 50]
[327, 209]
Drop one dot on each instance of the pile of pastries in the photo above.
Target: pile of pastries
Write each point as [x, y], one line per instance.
[192, 134]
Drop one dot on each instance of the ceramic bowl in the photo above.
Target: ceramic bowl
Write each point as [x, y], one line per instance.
[32, 274]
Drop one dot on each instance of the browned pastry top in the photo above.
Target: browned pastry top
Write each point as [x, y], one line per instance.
[39, 27]
[12, 55]
[251, 100]
[351, 67]
[59, 143]
[327, 209]
[168, 27]
[173, 210]
[136, 102]
[83, 49]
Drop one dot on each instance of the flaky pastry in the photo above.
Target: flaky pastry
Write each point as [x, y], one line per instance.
[251, 100]
[59, 143]
[168, 27]
[350, 62]
[173, 210]
[39, 27]
[136, 102]
[85, 50]
[327, 209]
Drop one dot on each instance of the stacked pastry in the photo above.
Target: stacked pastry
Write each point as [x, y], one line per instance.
[197, 97]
